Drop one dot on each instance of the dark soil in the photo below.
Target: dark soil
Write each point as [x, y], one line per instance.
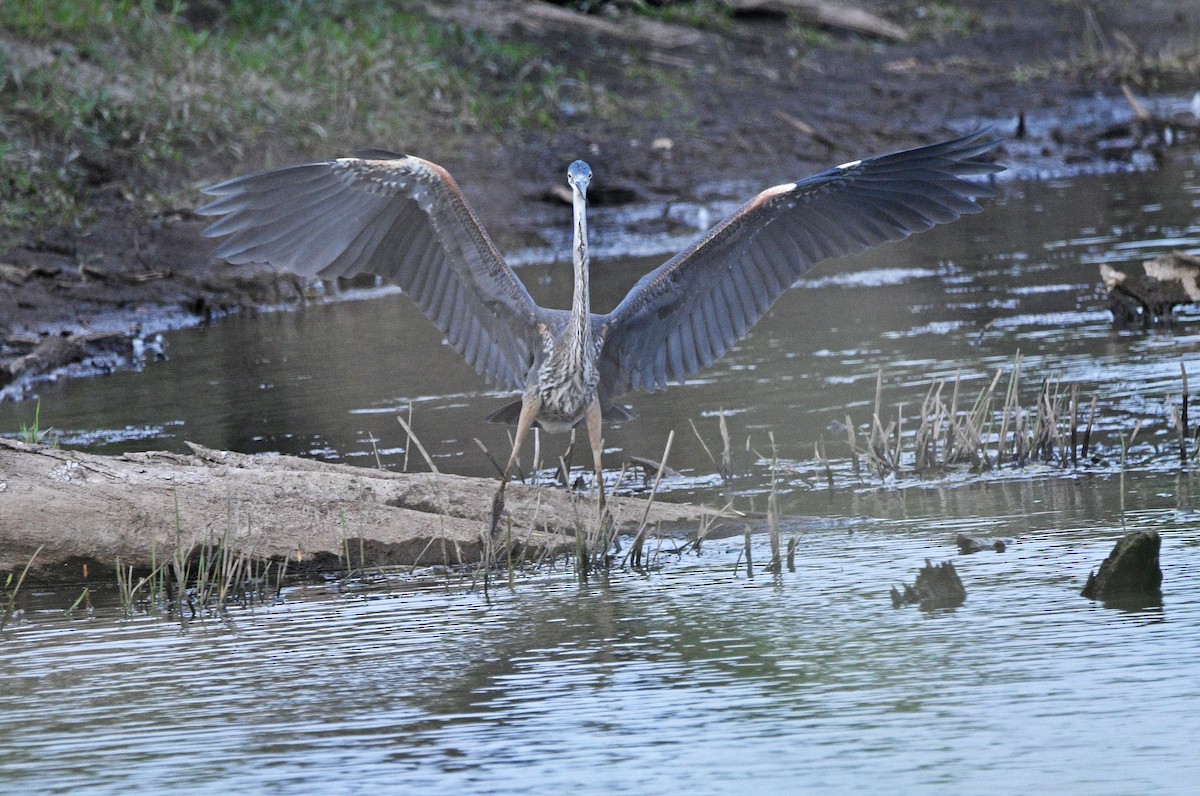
[730, 119]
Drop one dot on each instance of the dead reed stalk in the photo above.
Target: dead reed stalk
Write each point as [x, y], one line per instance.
[982, 436]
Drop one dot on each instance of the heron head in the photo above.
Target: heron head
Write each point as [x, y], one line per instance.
[579, 174]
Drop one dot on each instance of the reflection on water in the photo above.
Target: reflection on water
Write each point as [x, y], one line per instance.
[693, 677]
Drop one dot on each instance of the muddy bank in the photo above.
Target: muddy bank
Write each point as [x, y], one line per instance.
[744, 104]
[91, 510]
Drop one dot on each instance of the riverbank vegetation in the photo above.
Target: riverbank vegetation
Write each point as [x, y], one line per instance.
[142, 97]
[137, 102]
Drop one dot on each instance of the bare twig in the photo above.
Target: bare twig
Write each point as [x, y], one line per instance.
[1183, 417]
[635, 551]
[412, 436]
[490, 458]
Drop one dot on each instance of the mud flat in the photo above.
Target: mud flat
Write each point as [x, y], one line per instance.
[84, 510]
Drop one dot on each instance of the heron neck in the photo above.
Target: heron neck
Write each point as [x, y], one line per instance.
[581, 306]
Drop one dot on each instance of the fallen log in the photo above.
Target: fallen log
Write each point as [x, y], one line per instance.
[640, 30]
[87, 510]
[102, 350]
[821, 13]
[537, 17]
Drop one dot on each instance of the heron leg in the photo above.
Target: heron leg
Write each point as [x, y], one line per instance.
[593, 427]
[529, 411]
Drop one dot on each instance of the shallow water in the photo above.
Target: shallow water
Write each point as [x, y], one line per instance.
[693, 676]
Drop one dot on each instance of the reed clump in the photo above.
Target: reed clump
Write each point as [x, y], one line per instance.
[991, 430]
[199, 580]
[994, 429]
[208, 581]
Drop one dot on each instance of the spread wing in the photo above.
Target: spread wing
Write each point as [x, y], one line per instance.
[689, 312]
[401, 218]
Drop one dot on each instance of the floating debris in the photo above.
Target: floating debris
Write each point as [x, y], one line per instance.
[652, 469]
[975, 544]
[1169, 281]
[149, 347]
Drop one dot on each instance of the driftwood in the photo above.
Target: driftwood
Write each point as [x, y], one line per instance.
[640, 29]
[1120, 142]
[47, 354]
[1131, 573]
[839, 16]
[86, 509]
[651, 469]
[805, 128]
[501, 17]
[1169, 281]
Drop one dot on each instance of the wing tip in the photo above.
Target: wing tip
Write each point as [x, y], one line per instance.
[223, 188]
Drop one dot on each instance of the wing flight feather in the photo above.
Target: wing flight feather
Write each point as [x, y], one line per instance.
[690, 311]
[400, 218]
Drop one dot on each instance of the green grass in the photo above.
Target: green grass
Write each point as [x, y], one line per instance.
[942, 20]
[133, 94]
[35, 434]
[11, 588]
[703, 14]
[197, 581]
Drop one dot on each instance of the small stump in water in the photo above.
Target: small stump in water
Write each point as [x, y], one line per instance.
[1170, 280]
[1131, 571]
[937, 586]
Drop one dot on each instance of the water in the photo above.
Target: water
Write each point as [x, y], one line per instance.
[692, 676]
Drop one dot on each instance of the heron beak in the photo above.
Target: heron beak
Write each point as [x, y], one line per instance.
[579, 176]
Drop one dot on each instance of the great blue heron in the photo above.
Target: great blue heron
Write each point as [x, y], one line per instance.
[404, 219]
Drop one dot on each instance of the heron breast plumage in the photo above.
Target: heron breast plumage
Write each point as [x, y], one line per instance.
[566, 379]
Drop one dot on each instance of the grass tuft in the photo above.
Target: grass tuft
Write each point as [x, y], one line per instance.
[35, 434]
[8, 594]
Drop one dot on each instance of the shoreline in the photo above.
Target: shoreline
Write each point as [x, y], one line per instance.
[698, 116]
[113, 335]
